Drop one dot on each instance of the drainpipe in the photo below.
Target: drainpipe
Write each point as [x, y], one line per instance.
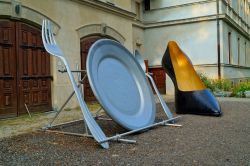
[218, 37]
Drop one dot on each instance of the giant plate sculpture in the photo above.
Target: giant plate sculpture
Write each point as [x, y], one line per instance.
[120, 85]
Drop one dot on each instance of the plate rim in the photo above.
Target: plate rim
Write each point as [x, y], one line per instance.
[94, 89]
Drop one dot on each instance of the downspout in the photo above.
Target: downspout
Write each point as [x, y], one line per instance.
[218, 37]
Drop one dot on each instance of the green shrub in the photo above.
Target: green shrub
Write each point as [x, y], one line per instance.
[223, 84]
[240, 88]
[216, 85]
[207, 82]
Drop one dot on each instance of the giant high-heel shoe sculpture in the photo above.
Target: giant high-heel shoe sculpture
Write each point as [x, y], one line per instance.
[191, 95]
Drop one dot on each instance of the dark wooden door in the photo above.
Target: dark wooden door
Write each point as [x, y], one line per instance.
[24, 70]
[159, 77]
[8, 79]
[85, 46]
[33, 70]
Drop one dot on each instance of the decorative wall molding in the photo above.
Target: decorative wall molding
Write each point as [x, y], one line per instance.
[226, 9]
[26, 14]
[146, 25]
[224, 17]
[107, 7]
[100, 29]
[222, 65]
[184, 5]
[235, 66]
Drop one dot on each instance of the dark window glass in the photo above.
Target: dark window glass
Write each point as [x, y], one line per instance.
[147, 5]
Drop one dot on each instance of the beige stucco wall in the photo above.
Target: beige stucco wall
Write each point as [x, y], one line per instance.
[138, 39]
[70, 16]
[191, 10]
[168, 3]
[197, 40]
[244, 46]
[192, 23]
[125, 4]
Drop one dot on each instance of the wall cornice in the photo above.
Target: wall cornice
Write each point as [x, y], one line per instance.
[107, 7]
[212, 65]
[235, 66]
[183, 5]
[147, 25]
[232, 13]
[224, 17]
[24, 15]
[229, 11]
[232, 22]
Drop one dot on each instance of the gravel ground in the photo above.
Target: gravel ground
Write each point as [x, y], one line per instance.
[24, 124]
[202, 140]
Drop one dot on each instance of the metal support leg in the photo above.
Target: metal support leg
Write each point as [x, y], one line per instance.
[99, 117]
[163, 104]
[140, 129]
[97, 112]
[64, 104]
[27, 109]
[118, 137]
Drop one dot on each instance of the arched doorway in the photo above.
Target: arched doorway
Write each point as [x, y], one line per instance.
[85, 46]
[24, 70]
[86, 43]
[90, 34]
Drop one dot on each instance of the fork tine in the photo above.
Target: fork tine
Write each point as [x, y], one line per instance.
[43, 32]
[46, 31]
[51, 36]
[49, 32]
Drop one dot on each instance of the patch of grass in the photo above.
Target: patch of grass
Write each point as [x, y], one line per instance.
[93, 106]
[67, 109]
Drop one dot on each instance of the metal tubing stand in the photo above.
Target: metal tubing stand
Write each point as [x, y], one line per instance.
[118, 137]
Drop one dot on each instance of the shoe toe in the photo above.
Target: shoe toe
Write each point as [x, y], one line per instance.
[197, 102]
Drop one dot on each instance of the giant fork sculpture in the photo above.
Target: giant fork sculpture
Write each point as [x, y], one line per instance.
[52, 48]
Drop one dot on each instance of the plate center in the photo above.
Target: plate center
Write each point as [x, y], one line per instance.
[119, 86]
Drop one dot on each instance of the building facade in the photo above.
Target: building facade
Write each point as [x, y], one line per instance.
[214, 33]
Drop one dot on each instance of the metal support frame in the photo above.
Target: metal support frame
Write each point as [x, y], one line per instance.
[97, 116]
[163, 104]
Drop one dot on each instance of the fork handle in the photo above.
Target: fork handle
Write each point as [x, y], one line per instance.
[94, 128]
